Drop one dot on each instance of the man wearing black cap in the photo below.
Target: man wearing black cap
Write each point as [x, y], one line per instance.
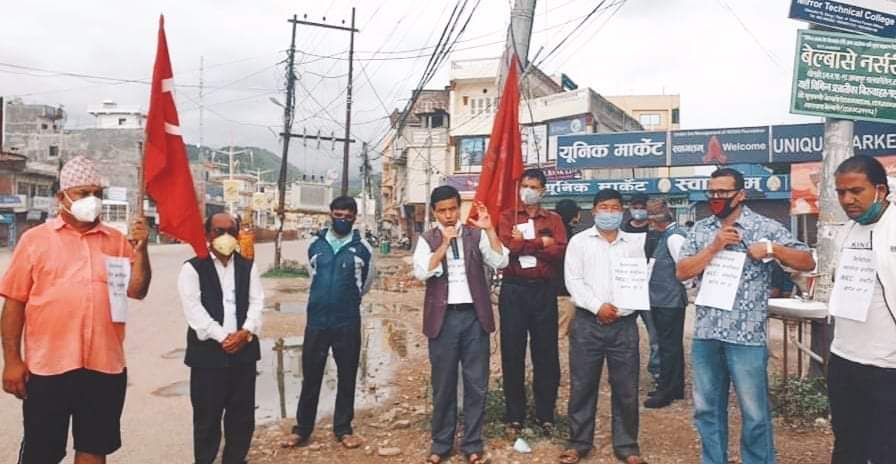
[637, 223]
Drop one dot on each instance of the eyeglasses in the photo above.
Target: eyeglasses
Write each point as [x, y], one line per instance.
[724, 193]
[221, 231]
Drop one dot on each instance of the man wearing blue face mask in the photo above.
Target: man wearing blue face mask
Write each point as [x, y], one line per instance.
[600, 330]
[342, 270]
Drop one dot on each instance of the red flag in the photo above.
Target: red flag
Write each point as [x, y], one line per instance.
[503, 163]
[166, 169]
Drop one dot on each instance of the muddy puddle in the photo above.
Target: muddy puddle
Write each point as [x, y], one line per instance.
[385, 345]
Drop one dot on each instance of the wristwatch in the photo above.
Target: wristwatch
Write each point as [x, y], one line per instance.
[249, 337]
[769, 249]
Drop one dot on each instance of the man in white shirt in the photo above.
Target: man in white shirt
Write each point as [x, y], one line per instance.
[668, 299]
[862, 366]
[457, 318]
[222, 299]
[601, 330]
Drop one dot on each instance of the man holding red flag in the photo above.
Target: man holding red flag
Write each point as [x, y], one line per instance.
[536, 239]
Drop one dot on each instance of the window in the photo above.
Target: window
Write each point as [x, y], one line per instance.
[42, 191]
[115, 213]
[436, 120]
[675, 115]
[650, 119]
[24, 188]
[122, 121]
[54, 152]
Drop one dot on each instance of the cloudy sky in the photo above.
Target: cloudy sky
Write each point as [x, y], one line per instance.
[731, 61]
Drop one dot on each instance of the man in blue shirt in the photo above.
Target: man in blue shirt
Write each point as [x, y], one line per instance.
[341, 265]
[730, 343]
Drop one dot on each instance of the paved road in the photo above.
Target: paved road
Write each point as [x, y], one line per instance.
[155, 429]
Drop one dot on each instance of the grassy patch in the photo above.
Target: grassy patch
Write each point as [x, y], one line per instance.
[799, 401]
[494, 418]
[287, 269]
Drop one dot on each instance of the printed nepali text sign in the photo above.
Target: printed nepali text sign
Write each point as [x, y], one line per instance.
[665, 185]
[874, 17]
[844, 76]
[720, 146]
[612, 150]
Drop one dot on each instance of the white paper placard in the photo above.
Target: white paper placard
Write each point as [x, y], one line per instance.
[528, 231]
[118, 275]
[721, 279]
[853, 285]
[630, 284]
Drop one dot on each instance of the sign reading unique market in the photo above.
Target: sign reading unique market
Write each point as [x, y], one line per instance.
[612, 150]
[874, 17]
[844, 76]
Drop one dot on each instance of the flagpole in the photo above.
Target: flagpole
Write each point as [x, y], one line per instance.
[141, 188]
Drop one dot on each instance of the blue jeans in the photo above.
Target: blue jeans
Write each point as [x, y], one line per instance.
[716, 365]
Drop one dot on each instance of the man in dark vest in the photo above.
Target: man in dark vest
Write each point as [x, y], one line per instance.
[457, 318]
[668, 300]
[222, 299]
[342, 270]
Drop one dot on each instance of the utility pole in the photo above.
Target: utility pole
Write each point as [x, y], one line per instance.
[288, 113]
[231, 166]
[519, 34]
[427, 219]
[838, 137]
[348, 94]
[365, 187]
[201, 104]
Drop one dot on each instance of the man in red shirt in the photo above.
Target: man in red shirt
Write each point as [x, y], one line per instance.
[536, 239]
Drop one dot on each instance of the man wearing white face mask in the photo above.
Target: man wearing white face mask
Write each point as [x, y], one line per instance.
[222, 299]
[57, 292]
[536, 239]
[600, 330]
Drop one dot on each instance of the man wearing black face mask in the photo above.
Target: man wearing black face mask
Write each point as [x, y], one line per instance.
[730, 342]
[342, 270]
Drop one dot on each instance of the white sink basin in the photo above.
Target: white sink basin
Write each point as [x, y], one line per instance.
[791, 307]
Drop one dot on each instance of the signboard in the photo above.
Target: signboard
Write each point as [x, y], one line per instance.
[720, 146]
[116, 194]
[565, 127]
[13, 201]
[799, 143]
[259, 201]
[844, 76]
[553, 173]
[612, 150]
[664, 186]
[231, 190]
[471, 151]
[7, 218]
[42, 203]
[874, 17]
[535, 144]
[463, 182]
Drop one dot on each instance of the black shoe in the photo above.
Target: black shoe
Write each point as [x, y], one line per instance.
[657, 402]
[652, 393]
[548, 429]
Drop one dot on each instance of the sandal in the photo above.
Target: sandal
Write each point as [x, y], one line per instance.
[634, 459]
[570, 456]
[350, 441]
[295, 441]
[434, 459]
[476, 458]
